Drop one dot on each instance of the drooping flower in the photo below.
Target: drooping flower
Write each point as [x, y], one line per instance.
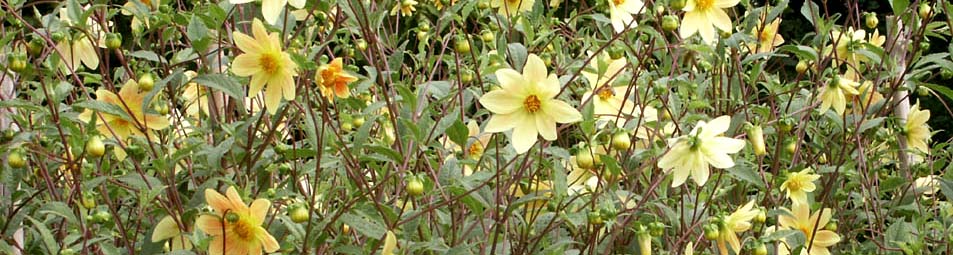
[267, 65]
[736, 222]
[926, 185]
[235, 227]
[847, 46]
[512, 7]
[917, 132]
[766, 38]
[703, 16]
[271, 9]
[80, 49]
[405, 7]
[580, 180]
[817, 238]
[527, 104]
[130, 100]
[332, 80]
[610, 103]
[390, 244]
[798, 184]
[692, 154]
[621, 11]
[835, 94]
[195, 95]
[167, 229]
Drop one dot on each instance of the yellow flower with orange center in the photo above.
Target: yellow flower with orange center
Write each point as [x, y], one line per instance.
[267, 65]
[512, 7]
[812, 225]
[798, 184]
[130, 100]
[332, 80]
[703, 16]
[766, 38]
[235, 227]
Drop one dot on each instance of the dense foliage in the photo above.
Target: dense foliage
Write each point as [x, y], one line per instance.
[475, 127]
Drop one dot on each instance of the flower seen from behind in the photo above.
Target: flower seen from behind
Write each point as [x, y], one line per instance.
[167, 229]
[835, 94]
[236, 228]
[703, 16]
[527, 105]
[512, 7]
[267, 65]
[333, 80]
[917, 132]
[693, 153]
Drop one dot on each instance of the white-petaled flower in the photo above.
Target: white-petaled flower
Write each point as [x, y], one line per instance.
[621, 11]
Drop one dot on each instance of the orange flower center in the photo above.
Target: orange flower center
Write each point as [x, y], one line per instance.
[475, 150]
[618, 2]
[532, 103]
[605, 93]
[243, 229]
[269, 63]
[704, 4]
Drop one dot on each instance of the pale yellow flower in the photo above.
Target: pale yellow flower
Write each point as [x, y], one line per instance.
[621, 11]
[735, 223]
[81, 49]
[140, 17]
[271, 9]
[167, 229]
[766, 38]
[848, 44]
[404, 7]
[798, 184]
[267, 64]
[195, 95]
[610, 104]
[801, 219]
[580, 180]
[390, 244]
[236, 228]
[927, 185]
[527, 105]
[835, 94]
[512, 7]
[333, 81]
[705, 145]
[439, 3]
[475, 150]
[703, 16]
[130, 100]
[917, 132]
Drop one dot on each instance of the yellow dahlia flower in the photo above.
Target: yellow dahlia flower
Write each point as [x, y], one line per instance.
[139, 16]
[917, 132]
[836, 92]
[692, 154]
[129, 96]
[737, 222]
[798, 184]
[801, 219]
[332, 80]
[405, 7]
[167, 229]
[766, 38]
[80, 49]
[703, 16]
[235, 227]
[621, 11]
[611, 105]
[527, 105]
[267, 65]
[195, 95]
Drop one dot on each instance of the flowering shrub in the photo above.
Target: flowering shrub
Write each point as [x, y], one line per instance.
[413, 127]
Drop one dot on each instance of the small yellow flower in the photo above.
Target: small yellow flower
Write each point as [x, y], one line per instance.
[167, 229]
[475, 150]
[621, 11]
[610, 103]
[332, 80]
[798, 184]
[267, 65]
[917, 132]
[405, 7]
[581, 180]
[818, 238]
[835, 94]
[512, 7]
[848, 44]
[195, 95]
[527, 104]
[80, 49]
[130, 99]
[926, 185]
[439, 3]
[235, 227]
[692, 154]
[703, 16]
[737, 222]
[767, 38]
[271, 9]
[390, 244]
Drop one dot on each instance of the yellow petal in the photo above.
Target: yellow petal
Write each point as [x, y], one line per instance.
[165, 229]
[501, 102]
[259, 210]
[390, 243]
[272, 98]
[524, 133]
[246, 64]
[271, 9]
[535, 69]
[209, 224]
[268, 242]
[546, 126]
[561, 112]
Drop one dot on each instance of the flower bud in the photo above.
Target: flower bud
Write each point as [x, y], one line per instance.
[925, 10]
[16, 160]
[621, 141]
[801, 67]
[756, 137]
[871, 20]
[95, 147]
[669, 23]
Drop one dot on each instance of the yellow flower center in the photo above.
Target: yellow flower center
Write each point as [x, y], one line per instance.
[794, 185]
[475, 150]
[532, 103]
[704, 4]
[605, 93]
[765, 35]
[243, 228]
[269, 63]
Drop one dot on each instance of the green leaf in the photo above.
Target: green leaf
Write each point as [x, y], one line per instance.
[899, 6]
[147, 55]
[939, 89]
[517, 53]
[745, 172]
[47, 235]
[458, 133]
[364, 226]
[223, 83]
[810, 10]
[104, 108]
[59, 209]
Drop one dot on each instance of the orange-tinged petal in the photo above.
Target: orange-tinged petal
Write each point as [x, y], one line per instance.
[259, 210]
[217, 201]
[211, 225]
[246, 64]
[167, 228]
[268, 242]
